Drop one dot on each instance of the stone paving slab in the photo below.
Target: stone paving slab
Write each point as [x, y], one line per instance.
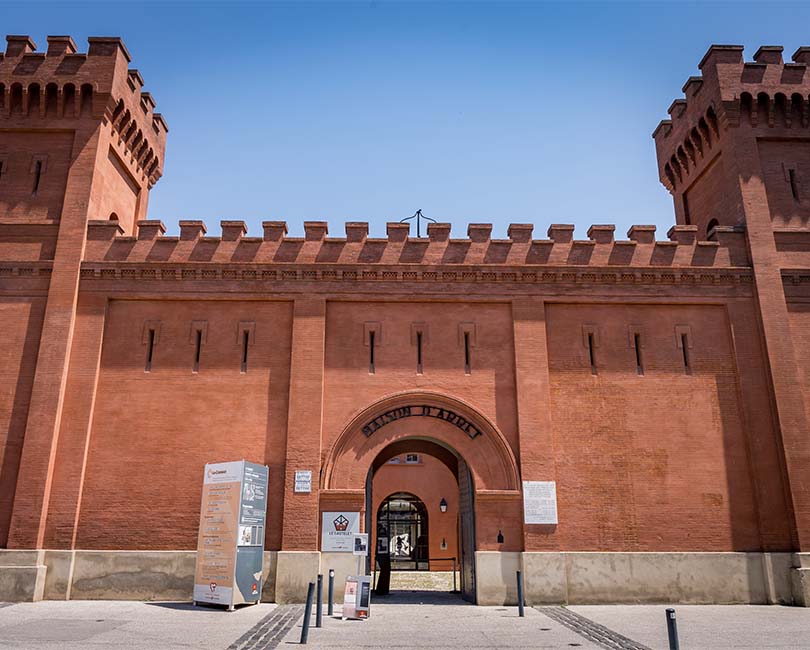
[91, 625]
[708, 627]
[402, 620]
[447, 622]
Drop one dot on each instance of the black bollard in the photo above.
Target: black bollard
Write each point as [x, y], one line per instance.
[521, 613]
[672, 630]
[331, 591]
[307, 614]
[455, 589]
[319, 605]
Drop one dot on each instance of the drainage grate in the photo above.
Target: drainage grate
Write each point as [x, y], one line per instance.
[585, 627]
[268, 632]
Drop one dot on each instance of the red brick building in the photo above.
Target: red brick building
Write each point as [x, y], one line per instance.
[661, 385]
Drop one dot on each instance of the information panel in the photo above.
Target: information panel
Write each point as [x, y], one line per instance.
[539, 502]
[230, 542]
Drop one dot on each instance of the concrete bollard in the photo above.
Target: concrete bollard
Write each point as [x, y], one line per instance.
[672, 630]
[521, 613]
[307, 614]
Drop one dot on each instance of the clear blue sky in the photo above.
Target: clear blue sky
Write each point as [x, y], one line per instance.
[483, 112]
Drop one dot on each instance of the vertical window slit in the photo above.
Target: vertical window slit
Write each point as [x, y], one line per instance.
[150, 349]
[687, 218]
[197, 350]
[371, 353]
[2, 169]
[794, 190]
[637, 345]
[37, 175]
[245, 340]
[419, 352]
[467, 353]
[685, 349]
[591, 353]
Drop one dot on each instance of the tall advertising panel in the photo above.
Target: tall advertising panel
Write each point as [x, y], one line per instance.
[230, 543]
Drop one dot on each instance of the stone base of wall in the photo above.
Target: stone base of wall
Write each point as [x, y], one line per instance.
[106, 575]
[573, 578]
[696, 578]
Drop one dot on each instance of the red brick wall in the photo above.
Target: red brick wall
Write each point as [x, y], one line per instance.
[17, 199]
[705, 197]
[654, 462]
[20, 323]
[153, 432]
[776, 159]
[349, 387]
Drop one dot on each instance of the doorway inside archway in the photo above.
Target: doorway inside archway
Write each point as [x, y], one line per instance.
[402, 527]
[419, 508]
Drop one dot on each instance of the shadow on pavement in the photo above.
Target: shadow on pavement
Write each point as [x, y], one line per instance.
[190, 607]
[418, 598]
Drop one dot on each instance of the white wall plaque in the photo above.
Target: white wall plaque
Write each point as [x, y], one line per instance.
[338, 530]
[540, 502]
[303, 480]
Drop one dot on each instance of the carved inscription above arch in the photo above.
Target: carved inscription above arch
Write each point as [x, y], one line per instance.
[421, 410]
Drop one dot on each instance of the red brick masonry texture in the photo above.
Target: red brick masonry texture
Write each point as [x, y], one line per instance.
[661, 384]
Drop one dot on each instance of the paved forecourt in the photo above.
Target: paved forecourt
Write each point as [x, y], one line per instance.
[404, 620]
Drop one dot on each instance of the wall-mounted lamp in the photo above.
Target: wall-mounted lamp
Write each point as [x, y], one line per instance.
[443, 505]
[500, 537]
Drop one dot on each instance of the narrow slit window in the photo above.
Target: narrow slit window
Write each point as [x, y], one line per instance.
[37, 175]
[197, 350]
[794, 188]
[2, 169]
[419, 353]
[150, 350]
[685, 349]
[245, 341]
[371, 353]
[687, 218]
[467, 368]
[591, 353]
[637, 346]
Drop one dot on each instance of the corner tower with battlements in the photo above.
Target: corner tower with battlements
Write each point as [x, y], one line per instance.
[621, 419]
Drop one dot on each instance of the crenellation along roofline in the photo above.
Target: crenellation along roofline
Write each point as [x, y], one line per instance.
[107, 243]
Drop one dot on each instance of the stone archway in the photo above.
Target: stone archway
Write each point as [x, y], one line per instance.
[443, 426]
[452, 423]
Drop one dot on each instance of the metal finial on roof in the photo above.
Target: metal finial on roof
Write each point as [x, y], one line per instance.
[419, 216]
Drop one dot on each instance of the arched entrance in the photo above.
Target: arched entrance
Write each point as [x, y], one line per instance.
[448, 429]
[403, 529]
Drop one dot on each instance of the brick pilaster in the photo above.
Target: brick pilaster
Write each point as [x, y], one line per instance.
[533, 390]
[300, 527]
[47, 396]
[745, 170]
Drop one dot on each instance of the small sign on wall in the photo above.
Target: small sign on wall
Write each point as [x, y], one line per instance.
[540, 502]
[303, 480]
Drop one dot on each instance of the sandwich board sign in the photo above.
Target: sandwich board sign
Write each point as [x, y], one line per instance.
[230, 542]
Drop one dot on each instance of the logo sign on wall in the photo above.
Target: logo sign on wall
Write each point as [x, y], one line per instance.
[230, 542]
[338, 530]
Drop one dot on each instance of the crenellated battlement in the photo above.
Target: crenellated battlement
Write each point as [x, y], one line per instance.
[62, 85]
[640, 250]
[766, 93]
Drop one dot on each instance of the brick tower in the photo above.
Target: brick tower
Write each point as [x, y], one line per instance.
[735, 153]
[79, 141]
